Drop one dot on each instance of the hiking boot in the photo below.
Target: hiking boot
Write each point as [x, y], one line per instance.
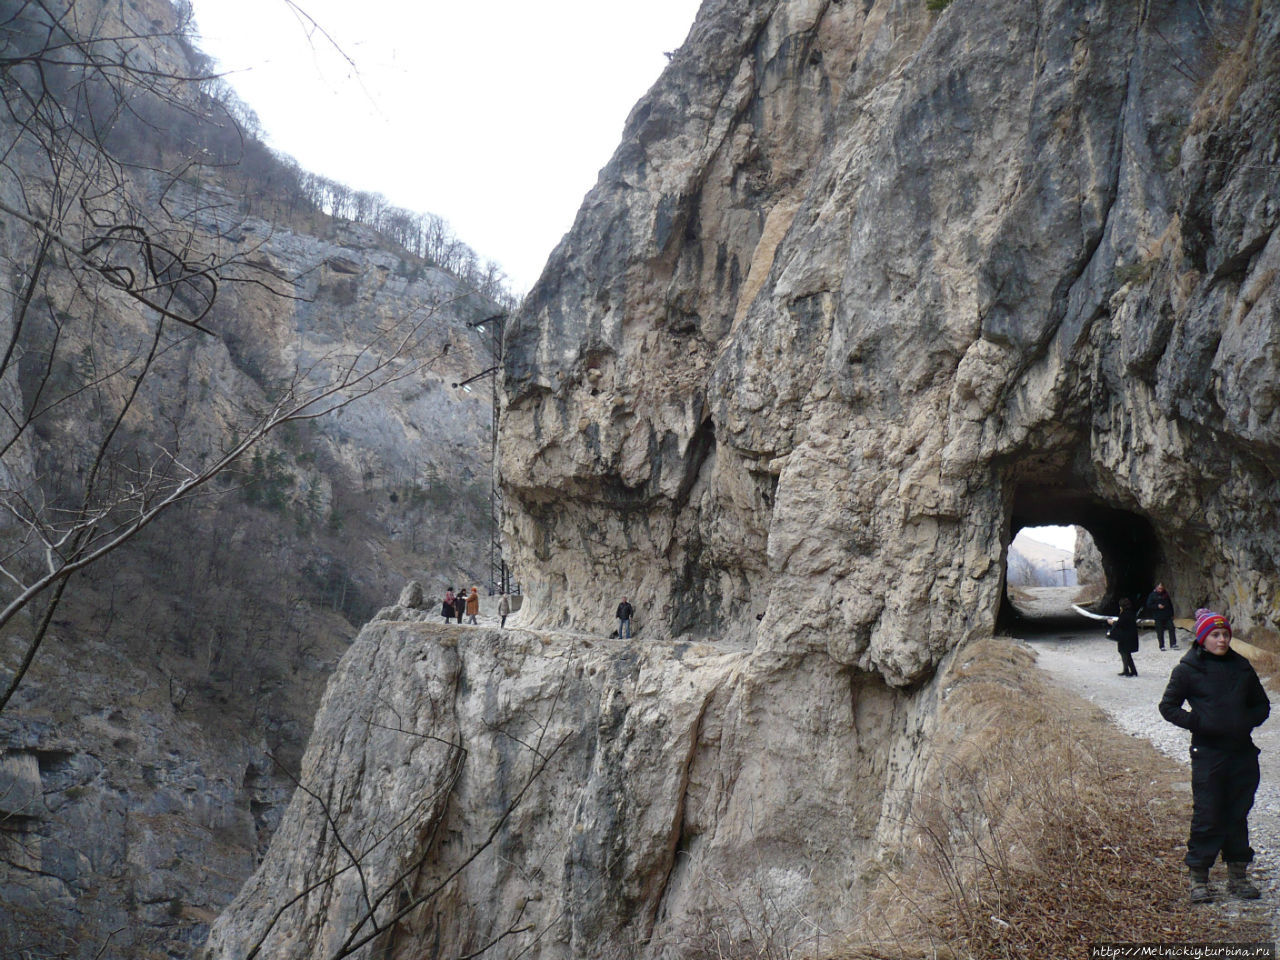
[1238, 883]
[1199, 892]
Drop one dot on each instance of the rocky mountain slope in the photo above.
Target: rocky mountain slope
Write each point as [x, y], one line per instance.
[1030, 563]
[147, 757]
[867, 288]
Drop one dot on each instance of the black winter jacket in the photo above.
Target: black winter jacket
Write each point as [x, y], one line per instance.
[625, 611]
[1226, 699]
[1159, 606]
[1125, 631]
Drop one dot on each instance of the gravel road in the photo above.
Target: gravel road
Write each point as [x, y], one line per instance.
[1081, 659]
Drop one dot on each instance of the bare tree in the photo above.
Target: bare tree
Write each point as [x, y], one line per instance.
[405, 853]
[112, 261]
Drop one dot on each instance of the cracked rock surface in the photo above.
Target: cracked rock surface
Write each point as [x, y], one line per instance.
[861, 276]
[627, 788]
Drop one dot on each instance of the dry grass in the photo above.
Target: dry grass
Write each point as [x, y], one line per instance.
[1220, 94]
[1089, 593]
[1017, 593]
[1040, 829]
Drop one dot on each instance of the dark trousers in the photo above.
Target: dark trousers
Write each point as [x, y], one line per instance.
[1222, 786]
[1126, 658]
[1166, 625]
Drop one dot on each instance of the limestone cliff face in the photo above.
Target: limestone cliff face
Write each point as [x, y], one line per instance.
[569, 797]
[148, 735]
[867, 287]
[143, 763]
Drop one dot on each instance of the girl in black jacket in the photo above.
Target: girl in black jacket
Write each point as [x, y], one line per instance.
[1226, 702]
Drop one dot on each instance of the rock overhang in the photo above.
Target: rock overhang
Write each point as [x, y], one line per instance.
[938, 309]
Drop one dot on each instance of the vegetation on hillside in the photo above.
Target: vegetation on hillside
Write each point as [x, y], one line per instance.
[183, 549]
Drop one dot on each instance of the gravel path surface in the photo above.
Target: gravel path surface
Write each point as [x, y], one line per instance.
[1085, 662]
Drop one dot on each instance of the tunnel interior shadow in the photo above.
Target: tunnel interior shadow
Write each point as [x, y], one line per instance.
[1128, 543]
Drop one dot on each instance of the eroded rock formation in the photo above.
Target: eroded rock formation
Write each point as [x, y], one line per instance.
[143, 760]
[595, 798]
[867, 288]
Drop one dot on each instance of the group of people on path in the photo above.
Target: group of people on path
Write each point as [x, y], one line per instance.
[1214, 692]
[1124, 626]
[466, 604]
[461, 604]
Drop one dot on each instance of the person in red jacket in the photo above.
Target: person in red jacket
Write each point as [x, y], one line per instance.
[1226, 702]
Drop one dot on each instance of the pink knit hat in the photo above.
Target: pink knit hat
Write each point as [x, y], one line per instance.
[1207, 621]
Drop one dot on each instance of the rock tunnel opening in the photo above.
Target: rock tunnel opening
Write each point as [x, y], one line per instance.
[1132, 557]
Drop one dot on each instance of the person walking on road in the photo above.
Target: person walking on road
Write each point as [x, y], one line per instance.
[1226, 702]
[1159, 607]
[624, 614]
[1124, 631]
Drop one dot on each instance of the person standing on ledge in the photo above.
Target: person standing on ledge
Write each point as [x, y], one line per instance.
[473, 605]
[504, 610]
[1226, 702]
[624, 614]
[1159, 607]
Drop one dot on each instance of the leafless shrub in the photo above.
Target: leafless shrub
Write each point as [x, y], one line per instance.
[746, 918]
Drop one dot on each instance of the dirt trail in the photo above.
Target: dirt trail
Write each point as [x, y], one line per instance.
[1082, 660]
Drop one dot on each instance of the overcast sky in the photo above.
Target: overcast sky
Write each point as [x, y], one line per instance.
[1064, 538]
[497, 116]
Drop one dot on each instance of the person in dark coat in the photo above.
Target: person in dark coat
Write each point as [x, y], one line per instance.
[1124, 631]
[460, 603]
[446, 608]
[1159, 607]
[624, 613]
[1226, 702]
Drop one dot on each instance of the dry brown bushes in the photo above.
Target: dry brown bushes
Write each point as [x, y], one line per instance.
[1039, 829]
